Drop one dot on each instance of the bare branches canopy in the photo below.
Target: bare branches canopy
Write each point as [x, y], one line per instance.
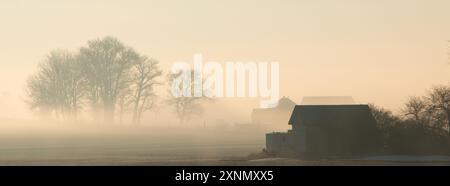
[100, 76]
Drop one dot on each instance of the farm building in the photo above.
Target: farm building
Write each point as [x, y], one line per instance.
[327, 130]
[274, 119]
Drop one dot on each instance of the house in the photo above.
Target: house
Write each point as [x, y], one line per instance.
[327, 130]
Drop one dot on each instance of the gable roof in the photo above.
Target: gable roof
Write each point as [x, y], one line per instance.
[286, 103]
[332, 115]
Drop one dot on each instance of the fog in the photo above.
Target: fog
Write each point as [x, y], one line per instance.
[378, 53]
[53, 144]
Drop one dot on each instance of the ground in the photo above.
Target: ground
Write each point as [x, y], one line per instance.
[37, 145]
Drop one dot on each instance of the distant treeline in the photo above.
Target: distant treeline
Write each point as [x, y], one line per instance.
[422, 127]
[105, 78]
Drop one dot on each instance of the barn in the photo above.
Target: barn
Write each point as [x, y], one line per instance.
[327, 130]
[274, 119]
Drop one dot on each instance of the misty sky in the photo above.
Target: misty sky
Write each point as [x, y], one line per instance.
[376, 51]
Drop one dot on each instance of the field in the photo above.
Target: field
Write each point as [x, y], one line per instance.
[81, 145]
[104, 145]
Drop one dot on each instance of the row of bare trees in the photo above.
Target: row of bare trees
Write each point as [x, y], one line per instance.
[101, 76]
[422, 126]
[105, 78]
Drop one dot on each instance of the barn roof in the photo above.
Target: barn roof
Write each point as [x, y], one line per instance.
[328, 100]
[332, 115]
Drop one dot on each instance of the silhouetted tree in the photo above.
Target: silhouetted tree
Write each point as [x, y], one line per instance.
[439, 99]
[106, 65]
[143, 81]
[418, 110]
[417, 133]
[384, 118]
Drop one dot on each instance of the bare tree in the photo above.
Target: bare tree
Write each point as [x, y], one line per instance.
[186, 106]
[106, 63]
[439, 99]
[385, 119]
[417, 108]
[40, 97]
[123, 103]
[58, 86]
[106, 73]
[143, 81]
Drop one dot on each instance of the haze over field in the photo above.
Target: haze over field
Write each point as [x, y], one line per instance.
[375, 51]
